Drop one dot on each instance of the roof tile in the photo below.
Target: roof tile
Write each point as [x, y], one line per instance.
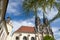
[29, 29]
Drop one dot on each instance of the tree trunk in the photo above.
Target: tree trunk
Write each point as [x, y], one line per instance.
[2, 14]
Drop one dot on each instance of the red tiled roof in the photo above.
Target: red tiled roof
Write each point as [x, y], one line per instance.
[29, 29]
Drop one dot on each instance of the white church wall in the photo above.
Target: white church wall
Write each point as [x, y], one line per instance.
[28, 35]
[21, 35]
[9, 27]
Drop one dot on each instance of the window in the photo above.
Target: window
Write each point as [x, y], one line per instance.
[32, 38]
[24, 38]
[17, 38]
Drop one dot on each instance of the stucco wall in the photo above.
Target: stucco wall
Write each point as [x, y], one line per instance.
[21, 35]
[28, 35]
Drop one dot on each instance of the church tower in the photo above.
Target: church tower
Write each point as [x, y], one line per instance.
[9, 27]
[9, 24]
[38, 27]
[45, 23]
[37, 23]
[46, 27]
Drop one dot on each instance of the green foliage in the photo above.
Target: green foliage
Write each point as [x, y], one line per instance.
[32, 5]
[29, 5]
[47, 37]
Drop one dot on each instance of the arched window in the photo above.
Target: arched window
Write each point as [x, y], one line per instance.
[24, 38]
[32, 38]
[17, 37]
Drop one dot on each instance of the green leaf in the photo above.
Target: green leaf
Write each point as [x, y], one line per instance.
[47, 37]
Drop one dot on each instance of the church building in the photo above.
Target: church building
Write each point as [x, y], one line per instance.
[33, 33]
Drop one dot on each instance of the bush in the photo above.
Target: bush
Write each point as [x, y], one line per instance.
[47, 37]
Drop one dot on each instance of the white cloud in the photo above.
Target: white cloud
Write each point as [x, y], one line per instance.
[56, 32]
[13, 4]
[51, 13]
[18, 24]
[40, 13]
[12, 7]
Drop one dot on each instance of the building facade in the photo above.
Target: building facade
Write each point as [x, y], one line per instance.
[3, 33]
[28, 33]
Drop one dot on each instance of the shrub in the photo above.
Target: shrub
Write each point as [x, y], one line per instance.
[47, 37]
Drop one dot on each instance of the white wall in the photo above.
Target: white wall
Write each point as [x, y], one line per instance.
[28, 35]
[9, 27]
[21, 35]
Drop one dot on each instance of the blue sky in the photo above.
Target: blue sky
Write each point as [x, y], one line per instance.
[19, 18]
